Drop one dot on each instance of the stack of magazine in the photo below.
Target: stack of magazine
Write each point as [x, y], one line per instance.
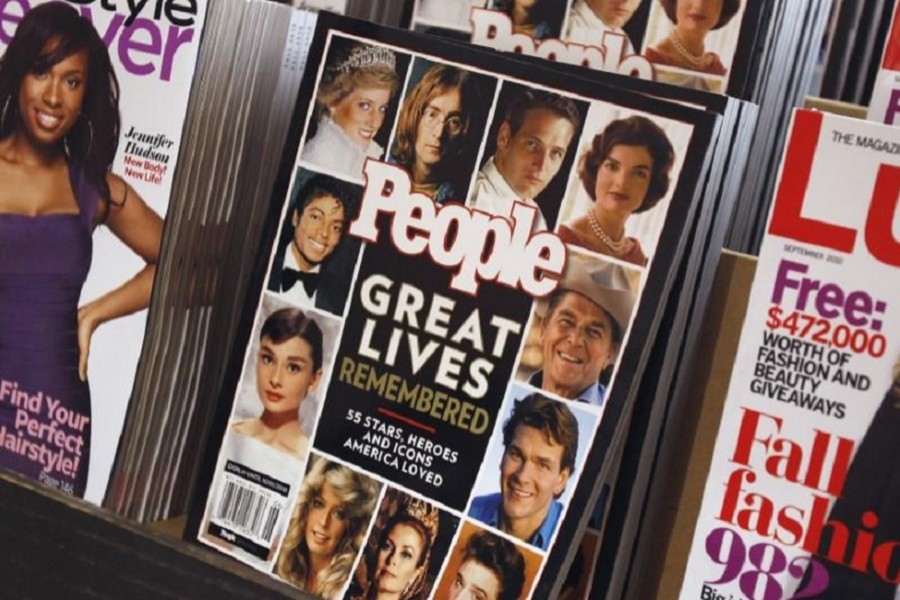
[851, 49]
[248, 73]
[789, 51]
[762, 51]
[463, 274]
[130, 435]
[251, 59]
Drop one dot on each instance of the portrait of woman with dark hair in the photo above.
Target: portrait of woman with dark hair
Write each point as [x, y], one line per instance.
[327, 528]
[538, 19]
[288, 369]
[438, 119]
[398, 569]
[59, 131]
[352, 103]
[625, 172]
[692, 20]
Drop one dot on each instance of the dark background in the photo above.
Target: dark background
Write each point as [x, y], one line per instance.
[492, 299]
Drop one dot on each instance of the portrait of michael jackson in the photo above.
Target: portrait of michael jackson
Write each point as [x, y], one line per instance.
[315, 259]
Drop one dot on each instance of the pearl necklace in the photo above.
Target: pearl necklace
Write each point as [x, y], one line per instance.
[697, 61]
[617, 247]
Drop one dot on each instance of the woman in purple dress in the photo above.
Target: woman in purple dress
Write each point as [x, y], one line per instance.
[59, 130]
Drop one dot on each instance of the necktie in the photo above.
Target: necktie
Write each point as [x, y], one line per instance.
[290, 277]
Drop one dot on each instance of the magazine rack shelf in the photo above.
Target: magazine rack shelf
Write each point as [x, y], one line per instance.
[58, 547]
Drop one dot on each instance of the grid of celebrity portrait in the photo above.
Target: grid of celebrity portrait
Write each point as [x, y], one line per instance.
[690, 43]
[598, 175]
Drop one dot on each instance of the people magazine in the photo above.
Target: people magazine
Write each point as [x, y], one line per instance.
[68, 439]
[443, 335]
[710, 49]
[802, 491]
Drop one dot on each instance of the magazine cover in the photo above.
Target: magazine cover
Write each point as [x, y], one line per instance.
[702, 45]
[800, 500]
[81, 128]
[461, 259]
[885, 102]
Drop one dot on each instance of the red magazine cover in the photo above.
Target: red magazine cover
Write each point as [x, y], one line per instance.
[800, 499]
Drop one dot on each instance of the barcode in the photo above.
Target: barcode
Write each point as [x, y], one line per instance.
[249, 511]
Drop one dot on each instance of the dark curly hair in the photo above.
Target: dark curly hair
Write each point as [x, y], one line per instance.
[633, 131]
[287, 323]
[47, 35]
[320, 186]
[729, 9]
[502, 558]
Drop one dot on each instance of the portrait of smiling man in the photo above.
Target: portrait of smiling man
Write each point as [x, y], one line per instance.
[540, 445]
[531, 145]
[306, 272]
[590, 20]
[582, 328]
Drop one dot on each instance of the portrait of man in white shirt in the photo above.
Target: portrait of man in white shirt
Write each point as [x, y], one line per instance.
[590, 20]
[448, 13]
[532, 143]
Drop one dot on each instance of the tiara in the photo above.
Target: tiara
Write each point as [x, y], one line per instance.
[368, 56]
[423, 512]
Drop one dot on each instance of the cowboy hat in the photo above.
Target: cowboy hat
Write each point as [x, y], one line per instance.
[605, 284]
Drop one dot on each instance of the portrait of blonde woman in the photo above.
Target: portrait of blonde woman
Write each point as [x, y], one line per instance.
[352, 105]
[327, 528]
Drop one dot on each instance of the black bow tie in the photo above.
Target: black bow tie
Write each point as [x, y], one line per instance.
[290, 277]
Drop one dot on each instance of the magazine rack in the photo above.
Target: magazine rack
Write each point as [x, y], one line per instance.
[710, 376]
[59, 547]
[62, 547]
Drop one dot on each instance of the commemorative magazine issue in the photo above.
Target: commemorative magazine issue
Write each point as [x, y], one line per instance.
[64, 394]
[801, 495]
[709, 49]
[437, 354]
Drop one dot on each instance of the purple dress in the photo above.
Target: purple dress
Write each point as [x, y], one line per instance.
[45, 408]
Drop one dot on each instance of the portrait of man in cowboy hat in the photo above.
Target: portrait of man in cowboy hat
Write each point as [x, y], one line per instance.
[581, 332]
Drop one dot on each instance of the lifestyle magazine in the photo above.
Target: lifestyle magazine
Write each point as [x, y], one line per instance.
[70, 444]
[801, 492]
[885, 101]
